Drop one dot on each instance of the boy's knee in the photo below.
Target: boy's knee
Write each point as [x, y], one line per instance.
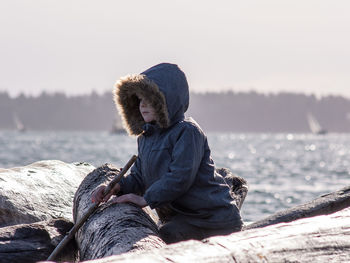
[179, 230]
[169, 233]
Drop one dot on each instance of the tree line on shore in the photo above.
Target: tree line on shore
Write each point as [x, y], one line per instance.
[222, 112]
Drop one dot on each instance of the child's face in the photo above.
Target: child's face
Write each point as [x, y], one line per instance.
[147, 111]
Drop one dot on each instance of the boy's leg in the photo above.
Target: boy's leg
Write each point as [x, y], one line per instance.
[179, 230]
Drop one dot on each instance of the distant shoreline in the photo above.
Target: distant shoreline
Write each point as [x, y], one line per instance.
[223, 112]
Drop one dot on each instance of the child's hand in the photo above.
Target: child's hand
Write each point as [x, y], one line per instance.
[97, 195]
[130, 198]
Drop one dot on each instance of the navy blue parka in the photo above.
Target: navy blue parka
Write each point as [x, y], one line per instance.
[174, 168]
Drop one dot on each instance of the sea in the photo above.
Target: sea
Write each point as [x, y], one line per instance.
[282, 170]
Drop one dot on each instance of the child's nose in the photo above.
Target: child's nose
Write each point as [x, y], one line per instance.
[143, 103]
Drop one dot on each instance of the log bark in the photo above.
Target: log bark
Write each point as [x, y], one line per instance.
[113, 228]
[323, 238]
[323, 205]
[40, 191]
[34, 242]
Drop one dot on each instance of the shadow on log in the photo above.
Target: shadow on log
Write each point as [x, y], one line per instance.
[34, 242]
[325, 204]
[113, 228]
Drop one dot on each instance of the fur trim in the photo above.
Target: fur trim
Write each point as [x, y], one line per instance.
[127, 92]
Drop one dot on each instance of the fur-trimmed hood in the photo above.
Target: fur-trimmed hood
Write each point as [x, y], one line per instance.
[164, 86]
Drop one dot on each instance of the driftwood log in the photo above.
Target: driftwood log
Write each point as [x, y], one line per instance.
[40, 191]
[34, 242]
[116, 229]
[113, 228]
[323, 238]
[325, 204]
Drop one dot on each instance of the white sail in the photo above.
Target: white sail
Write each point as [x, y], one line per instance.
[19, 125]
[314, 125]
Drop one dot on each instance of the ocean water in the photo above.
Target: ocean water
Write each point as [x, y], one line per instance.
[282, 170]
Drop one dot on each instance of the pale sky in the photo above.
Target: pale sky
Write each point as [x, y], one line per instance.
[76, 46]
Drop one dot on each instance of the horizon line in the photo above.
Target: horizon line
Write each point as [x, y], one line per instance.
[196, 92]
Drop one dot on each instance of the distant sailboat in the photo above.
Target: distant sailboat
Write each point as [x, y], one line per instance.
[19, 125]
[314, 125]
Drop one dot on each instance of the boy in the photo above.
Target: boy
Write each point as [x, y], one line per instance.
[174, 172]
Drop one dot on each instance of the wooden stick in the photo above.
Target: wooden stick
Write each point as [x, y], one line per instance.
[91, 210]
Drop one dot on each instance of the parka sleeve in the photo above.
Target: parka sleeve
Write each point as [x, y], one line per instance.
[186, 158]
[133, 183]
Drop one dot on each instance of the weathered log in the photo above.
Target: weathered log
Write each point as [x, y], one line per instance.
[40, 191]
[323, 238]
[34, 242]
[113, 228]
[323, 205]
